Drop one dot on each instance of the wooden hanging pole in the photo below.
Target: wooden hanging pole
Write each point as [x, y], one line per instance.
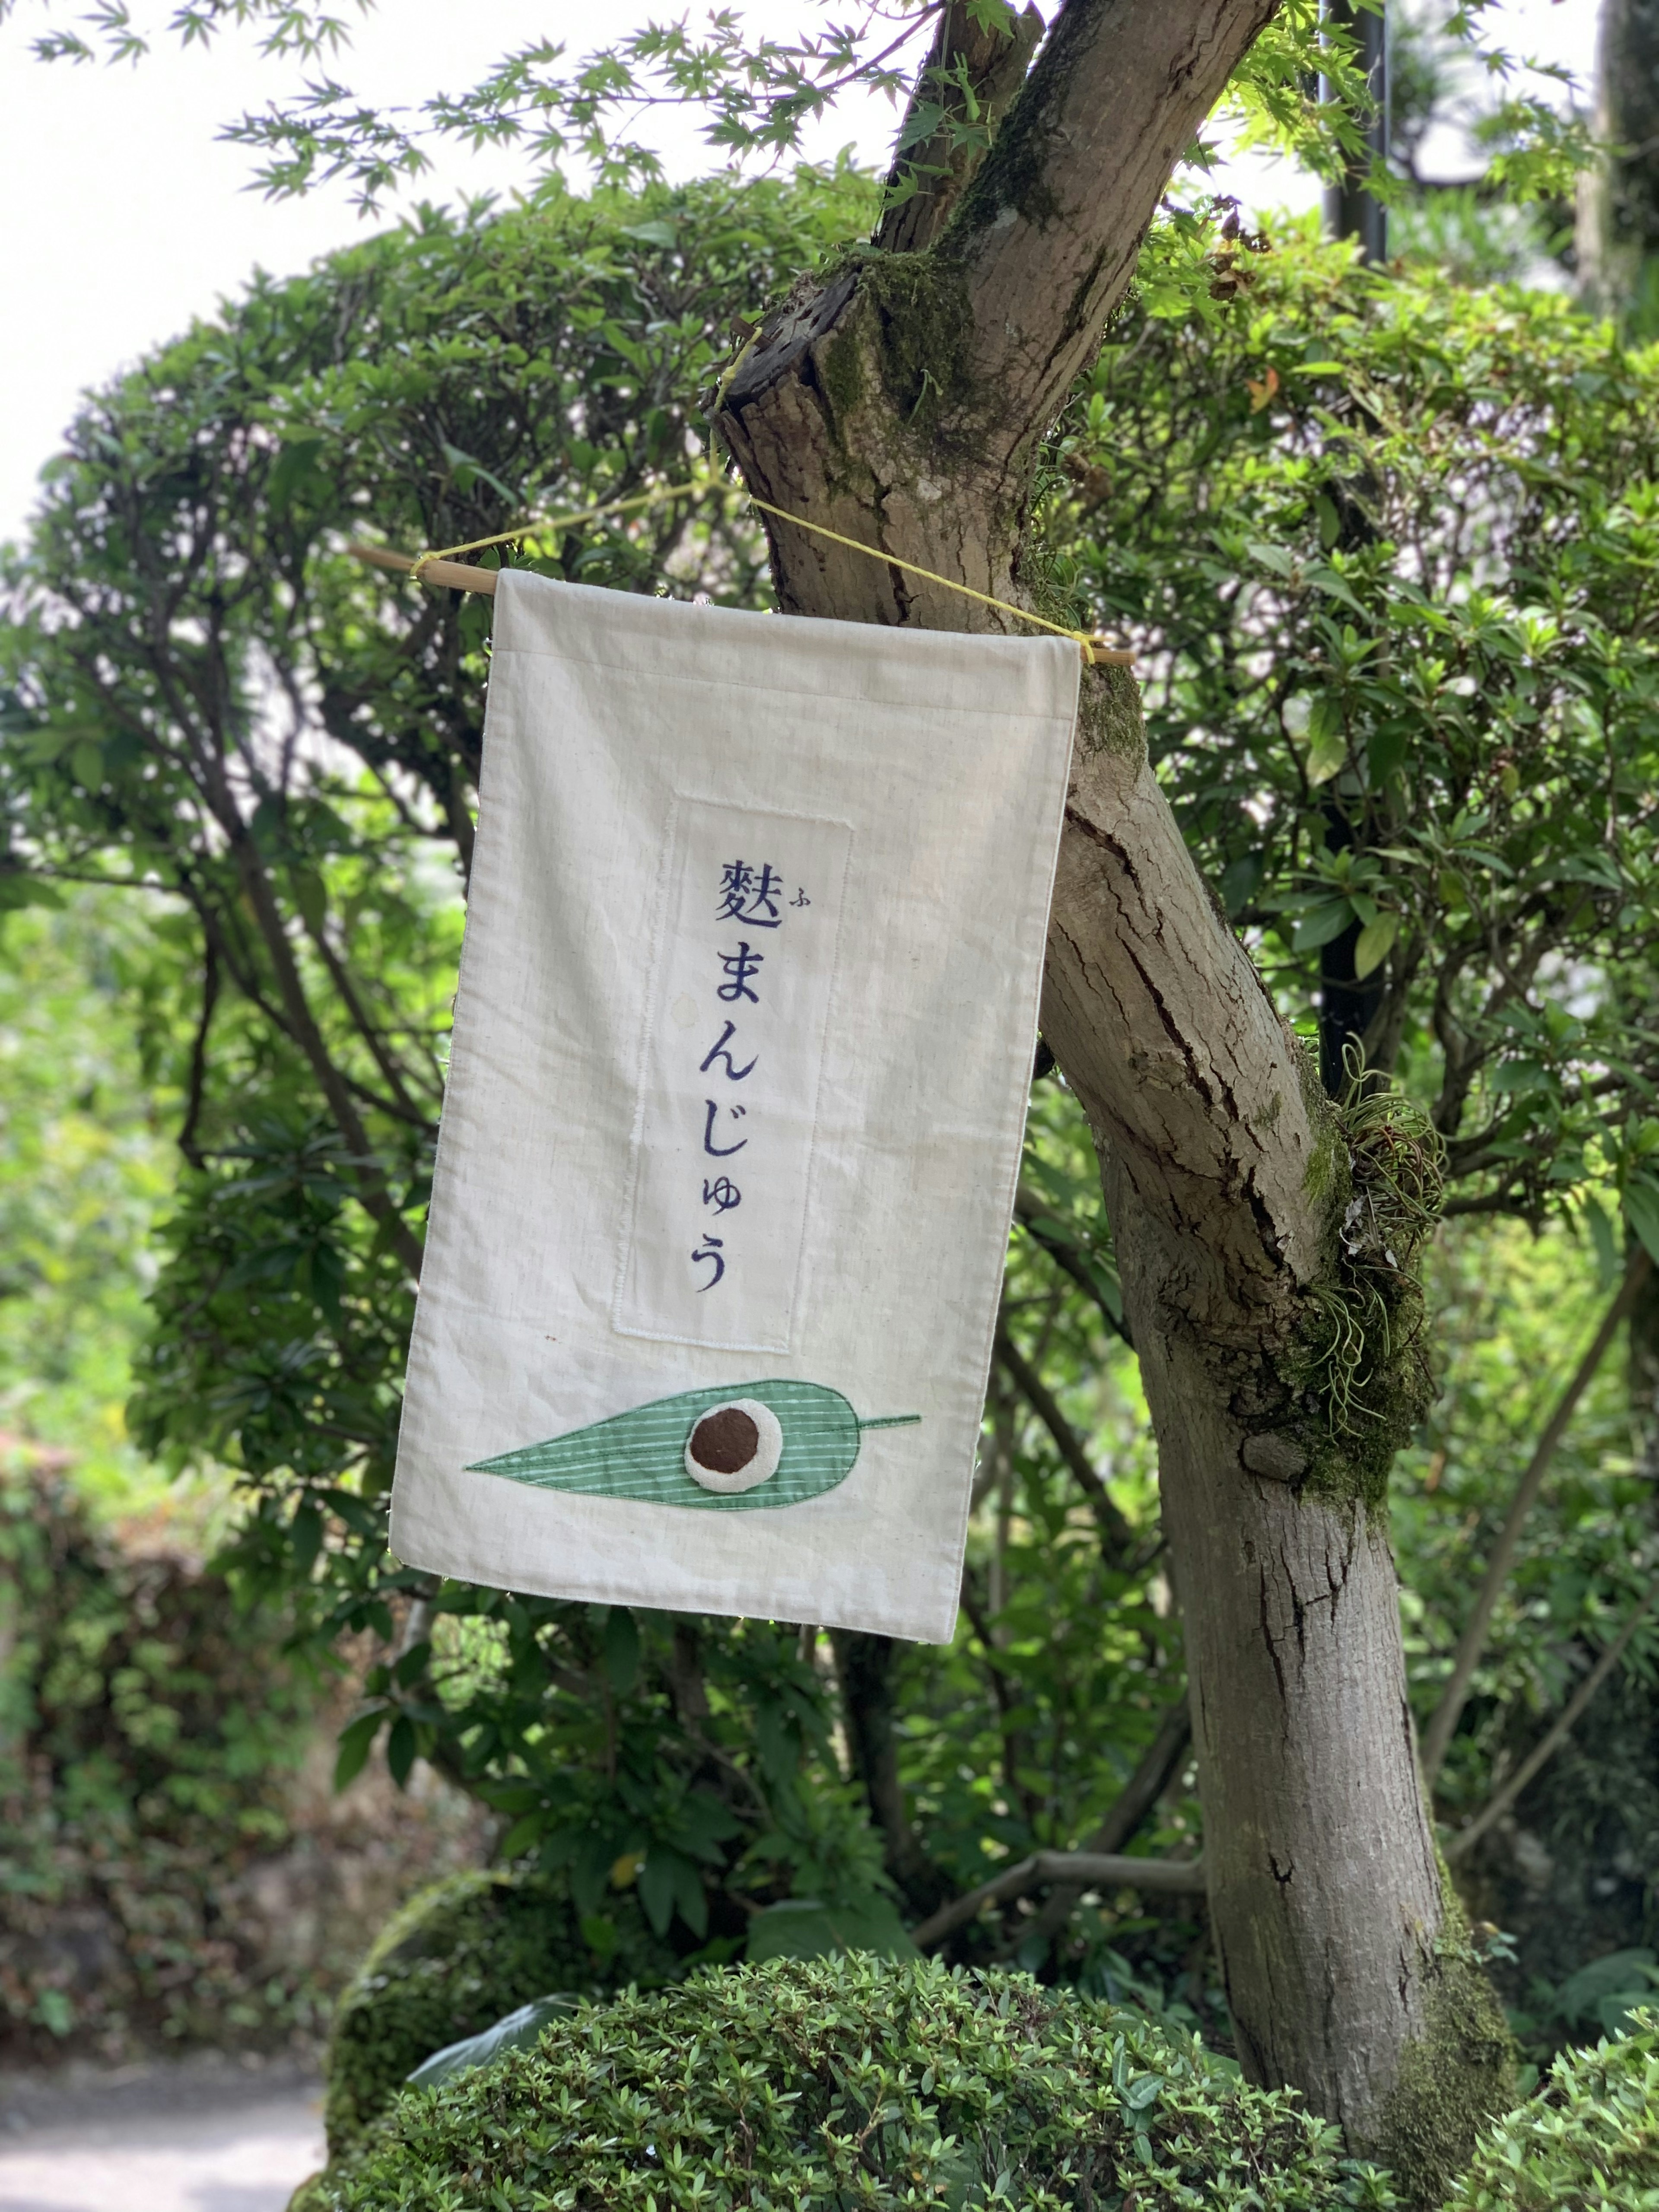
[446, 575]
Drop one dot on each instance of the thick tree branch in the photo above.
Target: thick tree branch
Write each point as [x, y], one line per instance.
[1089, 1869]
[870, 401]
[1208, 1112]
[968, 67]
[865, 1667]
[1049, 227]
[685, 1676]
[224, 937]
[195, 1084]
[902, 401]
[1494, 1201]
[687, 1687]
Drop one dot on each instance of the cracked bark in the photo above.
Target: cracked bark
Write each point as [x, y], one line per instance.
[901, 401]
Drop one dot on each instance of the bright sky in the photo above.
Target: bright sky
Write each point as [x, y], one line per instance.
[128, 219]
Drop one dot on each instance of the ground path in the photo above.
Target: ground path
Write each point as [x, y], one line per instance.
[196, 2135]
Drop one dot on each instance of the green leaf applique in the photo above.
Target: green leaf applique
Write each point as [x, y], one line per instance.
[754, 1444]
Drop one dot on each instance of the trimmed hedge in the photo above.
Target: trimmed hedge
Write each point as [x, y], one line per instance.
[457, 1958]
[1589, 2142]
[812, 2084]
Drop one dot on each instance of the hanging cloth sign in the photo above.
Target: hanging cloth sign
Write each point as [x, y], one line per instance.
[747, 1007]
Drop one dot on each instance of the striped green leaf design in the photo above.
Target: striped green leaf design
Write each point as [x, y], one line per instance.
[640, 1454]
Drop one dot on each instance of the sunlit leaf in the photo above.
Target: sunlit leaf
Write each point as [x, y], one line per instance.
[1374, 944]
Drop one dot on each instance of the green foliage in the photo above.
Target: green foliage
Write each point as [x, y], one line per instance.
[1469, 239]
[1385, 546]
[455, 1960]
[672, 1769]
[803, 1929]
[1300, 89]
[147, 1726]
[295, 1000]
[845, 2082]
[85, 1166]
[1610, 1991]
[1589, 2142]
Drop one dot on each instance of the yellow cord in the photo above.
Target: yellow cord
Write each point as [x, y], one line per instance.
[653, 498]
[1093, 648]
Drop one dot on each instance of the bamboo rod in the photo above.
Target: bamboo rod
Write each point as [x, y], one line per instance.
[442, 575]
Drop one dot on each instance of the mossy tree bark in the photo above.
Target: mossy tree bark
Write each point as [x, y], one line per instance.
[902, 401]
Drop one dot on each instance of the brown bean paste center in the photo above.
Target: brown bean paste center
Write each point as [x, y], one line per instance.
[725, 1442]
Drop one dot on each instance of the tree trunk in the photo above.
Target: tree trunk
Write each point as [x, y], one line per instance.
[1325, 1893]
[1617, 237]
[1344, 1957]
[901, 401]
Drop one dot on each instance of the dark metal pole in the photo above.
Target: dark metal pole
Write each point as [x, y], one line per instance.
[1347, 1003]
[1349, 210]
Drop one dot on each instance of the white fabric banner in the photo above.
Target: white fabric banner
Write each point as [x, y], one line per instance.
[747, 1007]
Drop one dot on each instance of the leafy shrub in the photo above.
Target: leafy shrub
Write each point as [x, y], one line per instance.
[148, 1730]
[1589, 2142]
[455, 1960]
[835, 2082]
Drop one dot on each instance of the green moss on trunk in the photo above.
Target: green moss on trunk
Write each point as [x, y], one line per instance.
[913, 319]
[1455, 2078]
